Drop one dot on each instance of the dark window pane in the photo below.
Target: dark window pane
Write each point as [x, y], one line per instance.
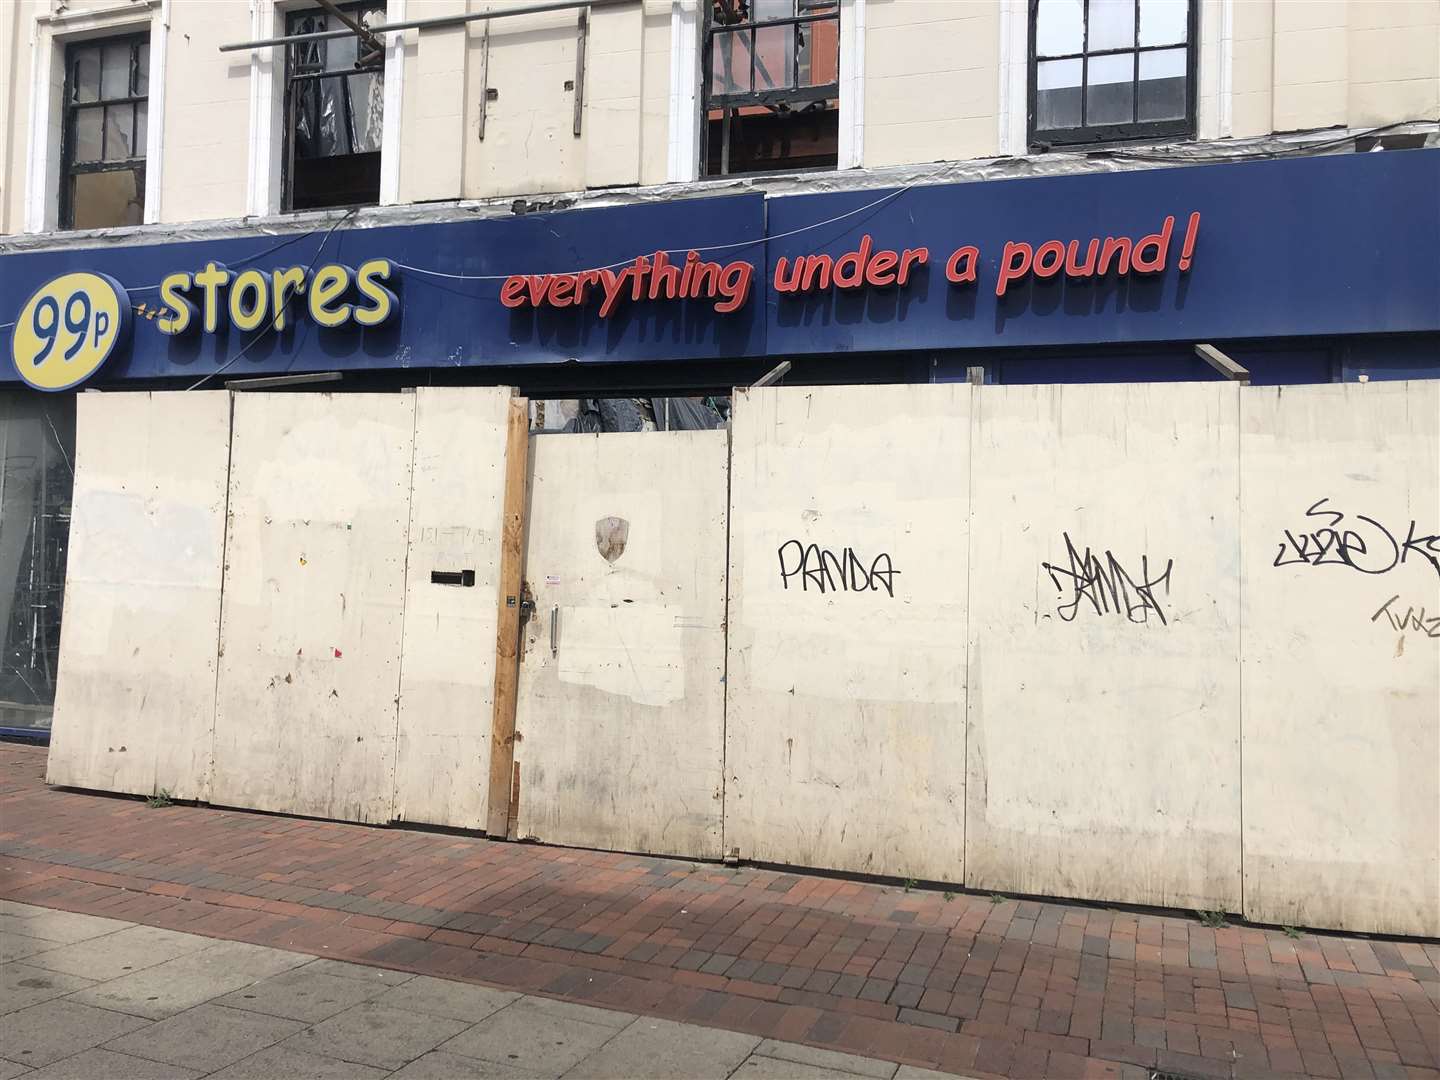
[1110, 91]
[1162, 85]
[1164, 22]
[119, 132]
[142, 70]
[1059, 27]
[87, 135]
[115, 70]
[730, 62]
[85, 75]
[774, 57]
[1112, 25]
[1057, 94]
[819, 53]
[108, 198]
[142, 127]
[367, 106]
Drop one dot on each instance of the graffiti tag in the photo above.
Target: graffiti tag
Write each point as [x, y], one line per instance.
[822, 569]
[1411, 620]
[1355, 541]
[1101, 583]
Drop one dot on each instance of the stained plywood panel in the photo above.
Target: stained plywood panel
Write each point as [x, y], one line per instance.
[311, 626]
[845, 729]
[448, 666]
[619, 728]
[1104, 706]
[1341, 509]
[135, 701]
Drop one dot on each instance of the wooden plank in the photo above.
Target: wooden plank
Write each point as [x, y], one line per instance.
[507, 634]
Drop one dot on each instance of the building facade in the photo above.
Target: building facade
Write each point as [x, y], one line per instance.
[671, 197]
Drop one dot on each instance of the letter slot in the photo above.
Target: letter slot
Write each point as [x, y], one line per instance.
[453, 577]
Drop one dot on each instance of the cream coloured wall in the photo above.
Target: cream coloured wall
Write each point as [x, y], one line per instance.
[933, 80]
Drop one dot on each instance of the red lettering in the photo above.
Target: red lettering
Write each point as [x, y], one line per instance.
[792, 283]
[1115, 245]
[1159, 244]
[562, 290]
[850, 267]
[1187, 249]
[705, 280]
[913, 257]
[881, 271]
[970, 256]
[666, 275]
[1072, 266]
[1014, 264]
[512, 293]
[637, 282]
[734, 285]
[1049, 257]
[817, 266]
[536, 284]
[586, 279]
[613, 283]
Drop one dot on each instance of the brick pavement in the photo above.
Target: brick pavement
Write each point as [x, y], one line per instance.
[1014, 988]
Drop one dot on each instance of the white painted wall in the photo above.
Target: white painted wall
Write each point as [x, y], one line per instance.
[1341, 707]
[845, 718]
[619, 732]
[1104, 745]
[135, 702]
[311, 626]
[447, 673]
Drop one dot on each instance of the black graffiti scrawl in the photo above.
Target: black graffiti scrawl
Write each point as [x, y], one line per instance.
[1101, 583]
[1333, 538]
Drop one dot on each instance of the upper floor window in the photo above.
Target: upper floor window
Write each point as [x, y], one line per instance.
[334, 112]
[772, 85]
[1110, 70]
[107, 86]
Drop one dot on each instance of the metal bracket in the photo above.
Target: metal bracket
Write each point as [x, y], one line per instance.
[1223, 364]
[582, 31]
[484, 77]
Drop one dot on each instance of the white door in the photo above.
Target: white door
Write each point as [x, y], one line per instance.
[620, 713]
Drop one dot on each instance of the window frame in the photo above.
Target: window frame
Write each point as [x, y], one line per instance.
[709, 30]
[1106, 134]
[290, 99]
[69, 168]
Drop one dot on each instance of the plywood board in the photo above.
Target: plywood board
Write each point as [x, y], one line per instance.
[619, 729]
[314, 600]
[845, 728]
[135, 702]
[1341, 510]
[1104, 706]
[448, 665]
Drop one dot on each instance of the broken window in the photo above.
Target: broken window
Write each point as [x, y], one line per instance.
[107, 87]
[37, 445]
[1111, 70]
[772, 85]
[334, 110]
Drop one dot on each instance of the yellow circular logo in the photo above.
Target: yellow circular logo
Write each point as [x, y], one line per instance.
[68, 329]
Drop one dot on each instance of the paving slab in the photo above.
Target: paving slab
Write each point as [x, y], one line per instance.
[303, 995]
[834, 1060]
[207, 1037]
[108, 1065]
[10, 1070]
[124, 951]
[768, 1068]
[18, 946]
[651, 1049]
[441, 997]
[377, 1035]
[284, 1062]
[568, 1010]
[346, 970]
[62, 926]
[22, 985]
[190, 980]
[535, 1039]
[438, 1065]
[910, 1072]
[56, 1029]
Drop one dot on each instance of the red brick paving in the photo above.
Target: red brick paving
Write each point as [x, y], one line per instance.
[1015, 989]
